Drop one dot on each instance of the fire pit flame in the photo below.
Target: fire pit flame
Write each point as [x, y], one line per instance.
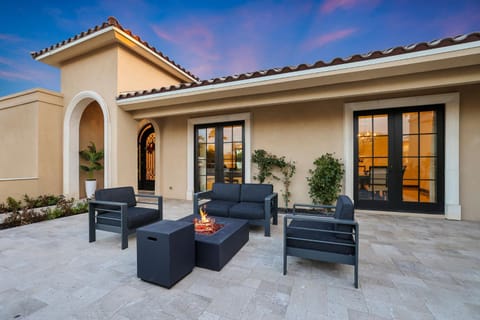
[206, 225]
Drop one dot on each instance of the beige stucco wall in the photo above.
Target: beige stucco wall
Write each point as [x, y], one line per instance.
[135, 73]
[173, 157]
[470, 152]
[30, 131]
[300, 132]
[107, 72]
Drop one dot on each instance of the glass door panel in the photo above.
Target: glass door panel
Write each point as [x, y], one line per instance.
[219, 155]
[372, 141]
[399, 156]
[419, 156]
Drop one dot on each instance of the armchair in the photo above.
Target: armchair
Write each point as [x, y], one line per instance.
[116, 210]
[331, 239]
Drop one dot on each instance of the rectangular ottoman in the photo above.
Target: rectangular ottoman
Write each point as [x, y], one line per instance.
[165, 252]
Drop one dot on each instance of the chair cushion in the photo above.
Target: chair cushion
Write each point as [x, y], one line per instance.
[344, 211]
[120, 194]
[302, 236]
[254, 192]
[218, 208]
[226, 192]
[136, 217]
[248, 210]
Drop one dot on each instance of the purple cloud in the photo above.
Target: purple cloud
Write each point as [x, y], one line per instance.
[331, 5]
[325, 39]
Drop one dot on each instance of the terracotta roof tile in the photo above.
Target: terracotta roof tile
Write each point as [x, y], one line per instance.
[111, 22]
[422, 46]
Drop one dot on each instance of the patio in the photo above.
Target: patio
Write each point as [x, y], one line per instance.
[411, 267]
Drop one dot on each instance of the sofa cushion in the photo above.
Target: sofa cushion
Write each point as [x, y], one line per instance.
[247, 210]
[302, 236]
[137, 217]
[226, 192]
[344, 211]
[218, 208]
[120, 194]
[254, 192]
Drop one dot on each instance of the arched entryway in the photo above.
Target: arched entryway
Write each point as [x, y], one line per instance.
[73, 125]
[146, 158]
[91, 130]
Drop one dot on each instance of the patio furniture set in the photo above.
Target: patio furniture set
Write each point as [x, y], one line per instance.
[169, 250]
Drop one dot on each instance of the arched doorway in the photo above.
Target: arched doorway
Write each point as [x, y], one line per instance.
[71, 141]
[146, 158]
[91, 130]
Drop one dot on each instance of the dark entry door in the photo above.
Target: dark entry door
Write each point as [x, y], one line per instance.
[399, 156]
[219, 154]
[146, 158]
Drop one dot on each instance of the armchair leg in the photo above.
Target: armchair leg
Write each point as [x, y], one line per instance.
[356, 276]
[267, 228]
[91, 223]
[275, 218]
[124, 240]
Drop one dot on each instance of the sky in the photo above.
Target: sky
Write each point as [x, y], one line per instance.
[220, 38]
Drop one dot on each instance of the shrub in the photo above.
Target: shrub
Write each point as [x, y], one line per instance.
[267, 162]
[325, 181]
[13, 205]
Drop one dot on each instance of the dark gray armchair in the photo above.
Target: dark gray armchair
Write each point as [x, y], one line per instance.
[331, 239]
[116, 210]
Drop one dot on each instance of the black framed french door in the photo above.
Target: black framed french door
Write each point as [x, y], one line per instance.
[399, 157]
[219, 155]
[146, 158]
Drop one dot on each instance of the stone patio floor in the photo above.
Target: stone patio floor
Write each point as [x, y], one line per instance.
[410, 268]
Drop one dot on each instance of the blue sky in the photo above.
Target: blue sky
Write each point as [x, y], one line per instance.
[219, 38]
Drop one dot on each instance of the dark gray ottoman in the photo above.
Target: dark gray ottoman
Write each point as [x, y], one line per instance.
[165, 252]
[214, 251]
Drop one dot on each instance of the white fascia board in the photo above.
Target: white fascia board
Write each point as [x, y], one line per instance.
[315, 71]
[73, 43]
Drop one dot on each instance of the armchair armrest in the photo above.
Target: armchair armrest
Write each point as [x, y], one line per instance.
[271, 207]
[159, 202]
[302, 217]
[313, 207]
[197, 196]
[93, 207]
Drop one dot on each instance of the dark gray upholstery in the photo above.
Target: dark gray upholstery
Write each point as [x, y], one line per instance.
[344, 211]
[218, 208]
[226, 191]
[120, 194]
[247, 210]
[116, 210]
[256, 203]
[332, 239]
[255, 192]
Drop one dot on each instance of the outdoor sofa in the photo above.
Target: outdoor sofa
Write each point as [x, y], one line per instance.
[116, 210]
[331, 239]
[256, 203]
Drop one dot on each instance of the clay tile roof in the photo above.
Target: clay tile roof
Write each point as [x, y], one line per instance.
[111, 22]
[422, 46]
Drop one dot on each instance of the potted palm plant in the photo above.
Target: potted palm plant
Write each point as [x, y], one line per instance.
[92, 158]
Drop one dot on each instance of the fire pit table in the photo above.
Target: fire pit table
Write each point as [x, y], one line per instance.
[213, 251]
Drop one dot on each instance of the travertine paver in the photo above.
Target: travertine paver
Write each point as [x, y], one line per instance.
[410, 268]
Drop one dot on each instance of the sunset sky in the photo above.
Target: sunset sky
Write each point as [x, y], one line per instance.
[219, 38]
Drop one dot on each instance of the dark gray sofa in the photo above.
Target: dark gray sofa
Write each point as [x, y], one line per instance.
[116, 210]
[256, 203]
[331, 239]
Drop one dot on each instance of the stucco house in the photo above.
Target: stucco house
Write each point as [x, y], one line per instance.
[404, 121]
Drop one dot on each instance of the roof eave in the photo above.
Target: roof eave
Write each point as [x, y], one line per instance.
[105, 37]
[320, 76]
